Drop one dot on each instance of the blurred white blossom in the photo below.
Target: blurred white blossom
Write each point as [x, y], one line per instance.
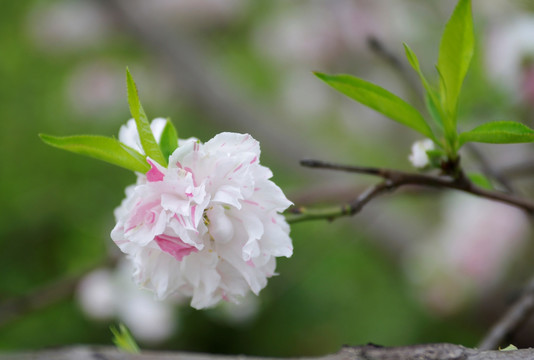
[105, 294]
[419, 157]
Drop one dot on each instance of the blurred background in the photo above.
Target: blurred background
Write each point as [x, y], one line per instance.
[417, 266]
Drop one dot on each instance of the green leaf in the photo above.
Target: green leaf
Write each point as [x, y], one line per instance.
[101, 148]
[434, 109]
[431, 99]
[480, 181]
[169, 139]
[123, 339]
[510, 347]
[148, 142]
[455, 53]
[498, 132]
[378, 99]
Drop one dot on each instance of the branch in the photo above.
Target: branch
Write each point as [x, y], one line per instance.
[397, 64]
[368, 352]
[520, 170]
[13, 308]
[488, 170]
[512, 319]
[394, 179]
[299, 214]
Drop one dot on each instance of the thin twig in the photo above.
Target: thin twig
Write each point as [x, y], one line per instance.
[49, 294]
[380, 49]
[523, 169]
[488, 169]
[302, 213]
[512, 319]
[393, 180]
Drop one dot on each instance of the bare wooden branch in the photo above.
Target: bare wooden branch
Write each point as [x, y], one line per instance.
[488, 169]
[367, 352]
[396, 63]
[13, 308]
[516, 315]
[394, 179]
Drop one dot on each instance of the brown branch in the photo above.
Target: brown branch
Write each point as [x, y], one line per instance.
[394, 179]
[380, 49]
[520, 170]
[514, 317]
[40, 298]
[488, 169]
[299, 214]
[368, 352]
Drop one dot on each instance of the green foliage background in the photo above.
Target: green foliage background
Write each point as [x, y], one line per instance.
[340, 287]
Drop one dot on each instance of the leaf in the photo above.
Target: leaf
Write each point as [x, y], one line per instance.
[378, 99]
[455, 53]
[169, 139]
[480, 181]
[148, 142]
[510, 347]
[431, 99]
[101, 148]
[123, 339]
[434, 109]
[498, 132]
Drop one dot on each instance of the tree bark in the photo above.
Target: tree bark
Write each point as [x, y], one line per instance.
[368, 352]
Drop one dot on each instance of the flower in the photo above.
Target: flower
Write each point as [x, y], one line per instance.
[128, 134]
[106, 293]
[419, 157]
[509, 52]
[467, 255]
[208, 226]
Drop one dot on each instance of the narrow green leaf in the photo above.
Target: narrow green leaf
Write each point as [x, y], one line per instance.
[431, 99]
[169, 139]
[123, 339]
[148, 142]
[449, 121]
[433, 108]
[480, 181]
[498, 132]
[101, 148]
[378, 99]
[455, 53]
[412, 58]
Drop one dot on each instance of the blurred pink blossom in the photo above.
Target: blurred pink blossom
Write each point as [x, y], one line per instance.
[468, 253]
[64, 26]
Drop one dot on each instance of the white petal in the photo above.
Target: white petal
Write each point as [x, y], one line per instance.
[221, 227]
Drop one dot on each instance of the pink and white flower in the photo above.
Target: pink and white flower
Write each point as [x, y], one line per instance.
[207, 226]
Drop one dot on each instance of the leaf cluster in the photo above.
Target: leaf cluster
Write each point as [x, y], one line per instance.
[455, 53]
[113, 151]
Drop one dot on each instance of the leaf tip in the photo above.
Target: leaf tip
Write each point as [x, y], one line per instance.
[45, 138]
[320, 75]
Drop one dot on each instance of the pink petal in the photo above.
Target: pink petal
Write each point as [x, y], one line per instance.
[154, 174]
[174, 246]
